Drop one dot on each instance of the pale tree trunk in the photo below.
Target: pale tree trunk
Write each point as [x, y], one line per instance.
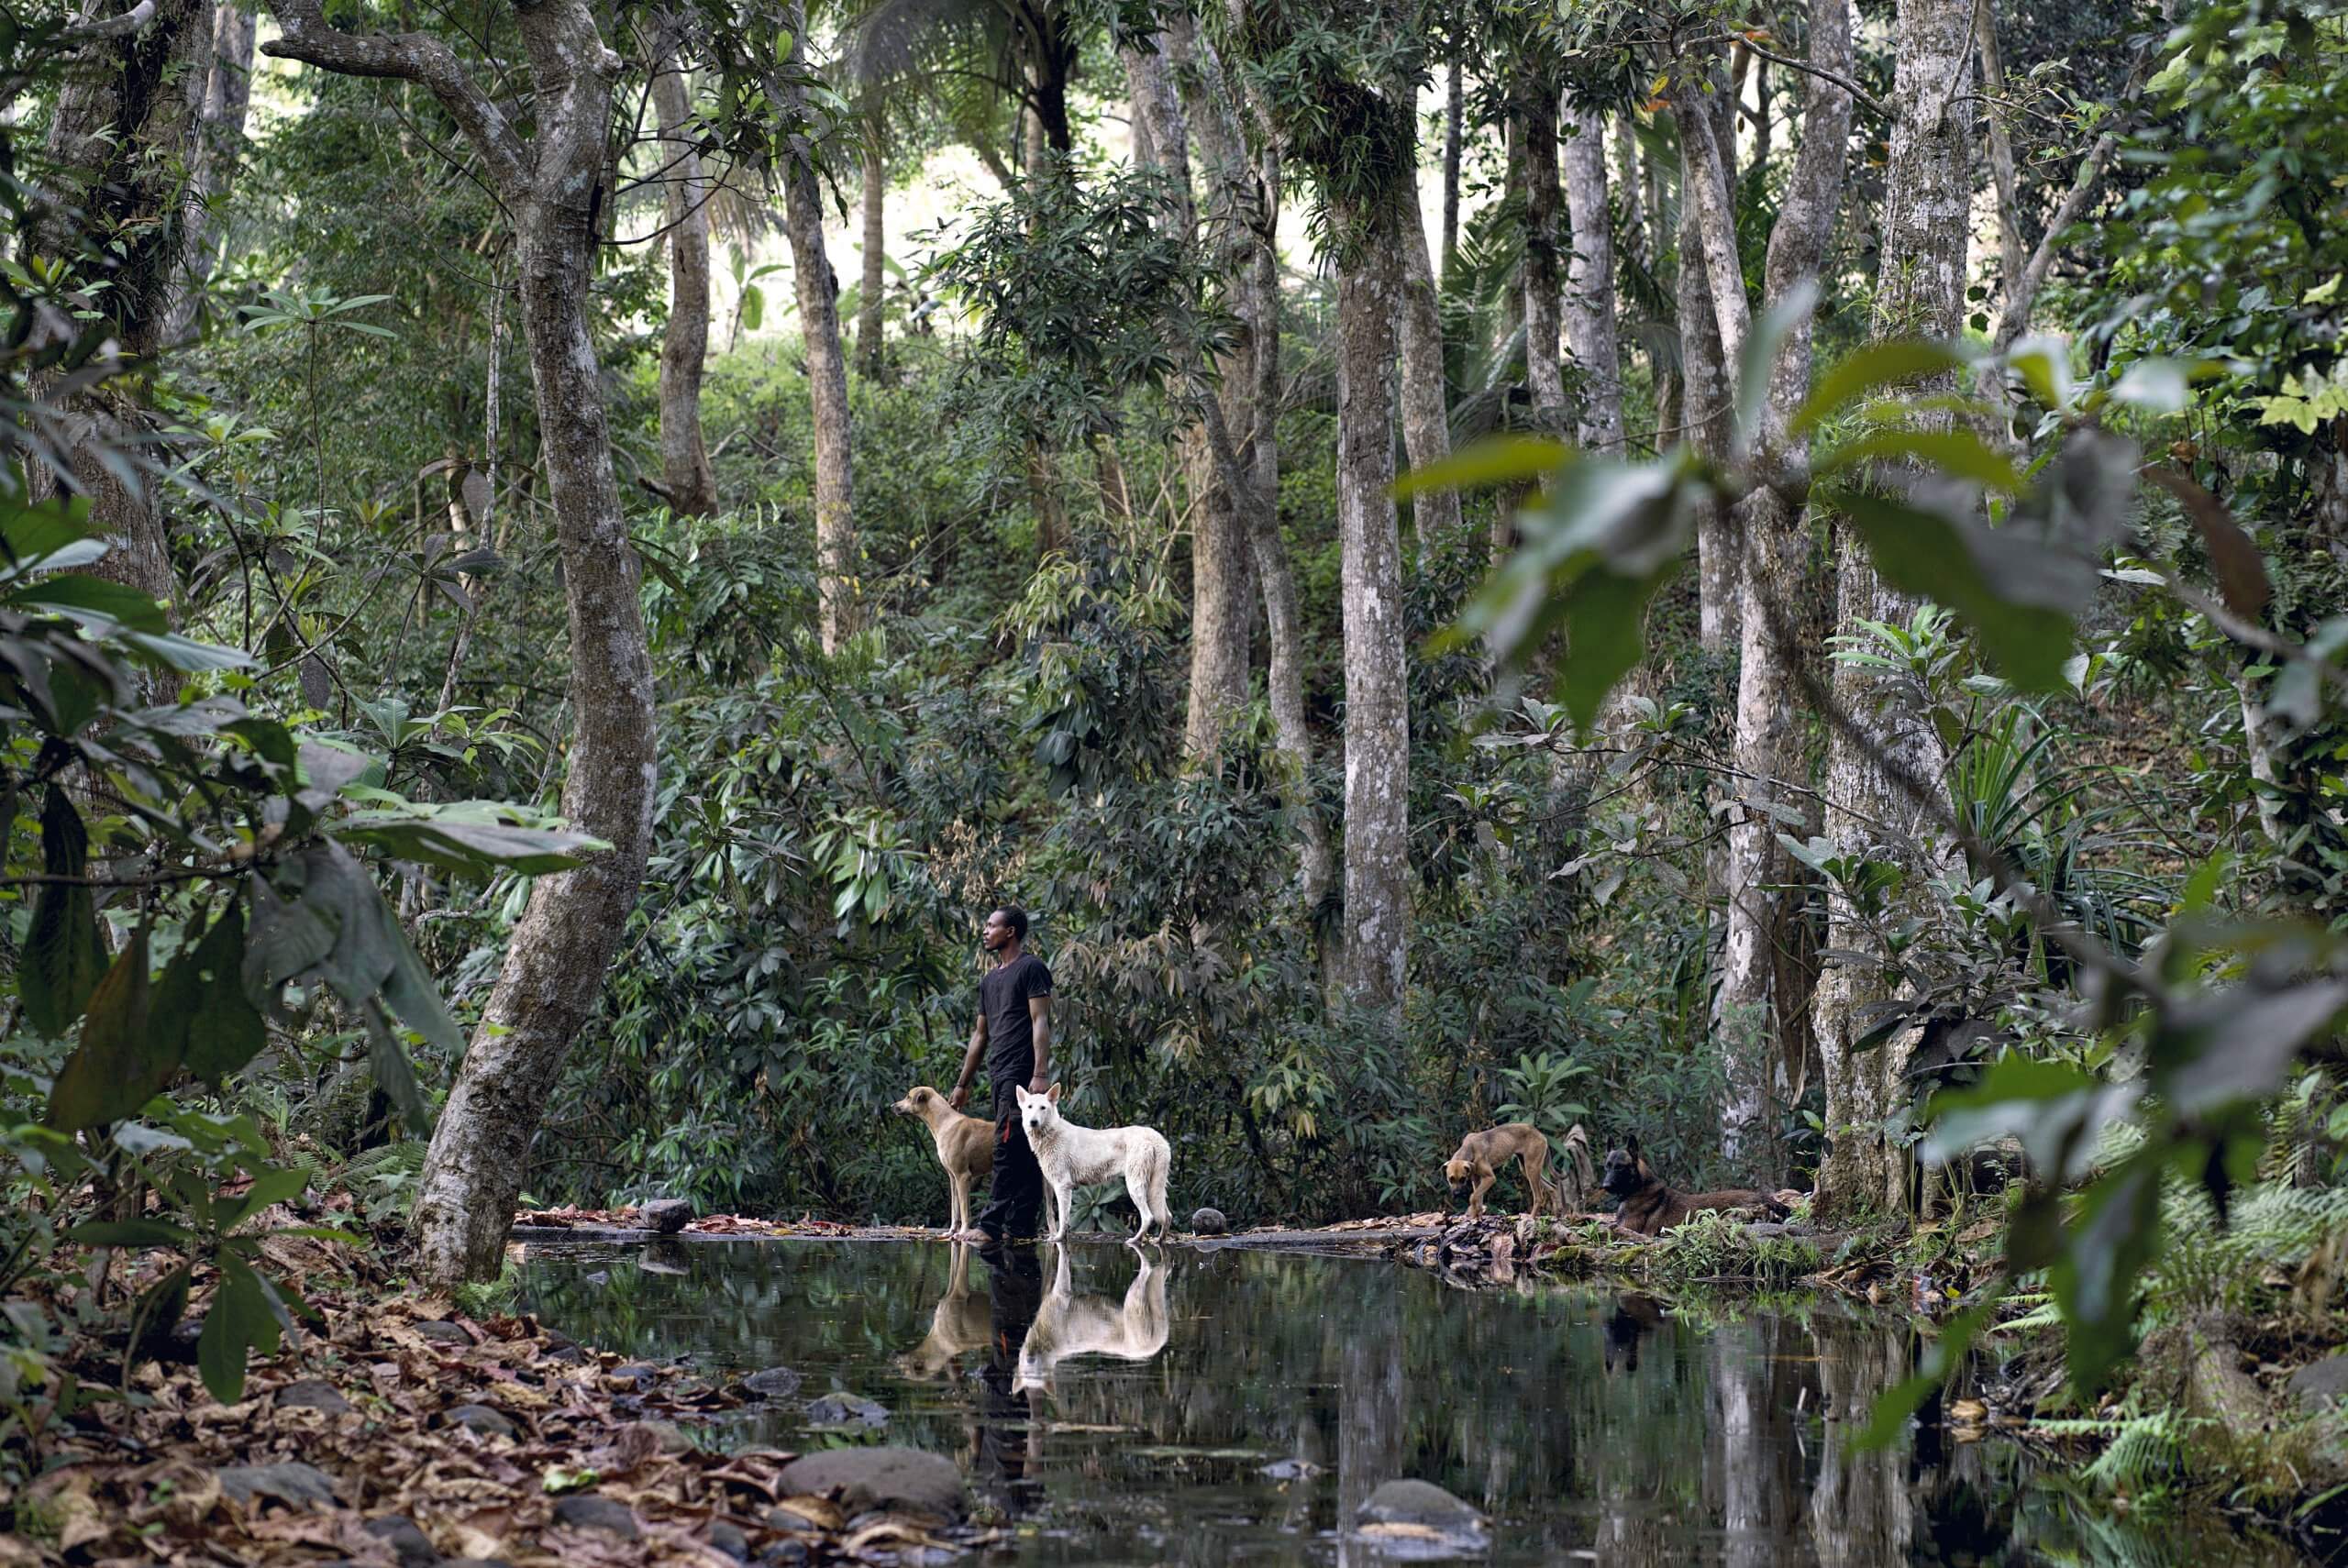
[1509, 318]
[1425, 392]
[2012, 256]
[1704, 416]
[125, 122]
[819, 320]
[553, 974]
[1455, 121]
[1631, 179]
[1590, 295]
[1920, 292]
[1372, 275]
[1220, 594]
[1861, 1506]
[1544, 369]
[876, 240]
[1751, 1018]
[685, 474]
[224, 90]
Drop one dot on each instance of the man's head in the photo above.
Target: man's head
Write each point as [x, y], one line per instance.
[1038, 1112]
[1005, 928]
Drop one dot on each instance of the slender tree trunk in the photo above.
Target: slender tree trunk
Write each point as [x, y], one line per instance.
[685, 473]
[1631, 179]
[1751, 1018]
[876, 242]
[224, 90]
[1590, 298]
[1920, 292]
[1705, 418]
[1454, 120]
[819, 319]
[1426, 397]
[2011, 255]
[1372, 277]
[553, 974]
[1544, 369]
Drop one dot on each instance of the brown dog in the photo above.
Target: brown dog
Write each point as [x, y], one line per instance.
[965, 1147]
[1481, 1156]
[1649, 1208]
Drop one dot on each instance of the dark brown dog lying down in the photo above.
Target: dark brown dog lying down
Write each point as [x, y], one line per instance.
[1649, 1208]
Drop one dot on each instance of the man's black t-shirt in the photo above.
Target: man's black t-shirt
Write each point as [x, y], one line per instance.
[1011, 1037]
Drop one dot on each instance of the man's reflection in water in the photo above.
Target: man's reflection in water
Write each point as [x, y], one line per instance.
[1010, 1445]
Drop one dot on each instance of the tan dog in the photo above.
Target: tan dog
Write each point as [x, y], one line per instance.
[1481, 1156]
[965, 1147]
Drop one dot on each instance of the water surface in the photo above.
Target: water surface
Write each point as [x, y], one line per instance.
[1237, 1405]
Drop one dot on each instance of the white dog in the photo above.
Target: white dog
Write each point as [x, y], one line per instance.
[1069, 1325]
[1073, 1156]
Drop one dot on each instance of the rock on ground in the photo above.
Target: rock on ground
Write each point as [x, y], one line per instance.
[1208, 1223]
[888, 1477]
[666, 1215]
[588, 1511]
[303, 1486]
[847, 1410]
[1419, 1519]
[774, 1383]
[2321, 1383]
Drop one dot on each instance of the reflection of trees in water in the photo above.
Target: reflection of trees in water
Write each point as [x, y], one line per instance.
[1580, 1420]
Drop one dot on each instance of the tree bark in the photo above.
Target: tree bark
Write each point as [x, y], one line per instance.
[1372, 276]
[685, 472]
[1590, 296]
[2012, 256]
[553, 974]
[1544, 369]
[1454, 120]
[1920, 292]
[1425, 391]
[1751, 1018]
[876, 240]
[819, 320]
[1704, 415]
[223, 93]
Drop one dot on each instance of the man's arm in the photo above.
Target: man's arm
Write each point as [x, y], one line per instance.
[1040, 1019]
[960, 1098]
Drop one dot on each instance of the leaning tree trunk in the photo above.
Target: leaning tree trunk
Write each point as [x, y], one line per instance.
[553, 974]
[876, 238]
[1589, 297]
[1920, 292]
[1372, 276]
[819, 319]
[685, 474]
[1751, 1018]
[124, 125]
[1543, 371]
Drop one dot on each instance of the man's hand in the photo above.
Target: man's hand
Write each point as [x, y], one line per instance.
[1040, 1084]
[960, 1098]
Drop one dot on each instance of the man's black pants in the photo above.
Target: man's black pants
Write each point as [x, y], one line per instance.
[1015, 1195]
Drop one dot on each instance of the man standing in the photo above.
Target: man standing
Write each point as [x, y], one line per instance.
[1014, 1035]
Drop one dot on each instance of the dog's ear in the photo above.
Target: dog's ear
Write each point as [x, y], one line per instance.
[1021, 1091]
[1053, 1093]
[1631, 1145]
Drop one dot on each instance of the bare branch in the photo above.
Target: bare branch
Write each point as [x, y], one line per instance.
[2023, 292]
[130, 21]
[419, 58]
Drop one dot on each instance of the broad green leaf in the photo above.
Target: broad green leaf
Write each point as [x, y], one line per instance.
[1759, 355]
[394, 1073]
[464, 837]
[2045, 365]
[2236, 1043]
[280, 1186]
[129, 1233]
[73, 594]
[1999, 582]
[1497, 459]
[121, 1062]
[64, 956]
[34, 533]
[185, 654]
[1956, 451]
[245, 1316]
[1892, 363]
[753, 309]
[287, 940]
[2094, 1277]
[2156, 385]
[202, 992]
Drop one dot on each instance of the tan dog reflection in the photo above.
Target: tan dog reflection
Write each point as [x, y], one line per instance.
[1072, 1325]
[961, 1324]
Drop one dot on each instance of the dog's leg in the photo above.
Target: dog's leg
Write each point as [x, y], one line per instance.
[1161, 1164]
[1476, 1198]
[1137, 1189]
[1536, 1160]
[958, 1207]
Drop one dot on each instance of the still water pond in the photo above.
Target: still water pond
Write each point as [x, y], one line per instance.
[1237, 1405]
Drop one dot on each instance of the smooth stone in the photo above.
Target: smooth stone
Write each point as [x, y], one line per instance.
[1421, 1503]
[1208, 1223]
[443, 1334]
[482, 1420]
[639, 1371]
[774, 1383]
[666, 1215]
[2321, 1382]
[300, 1485]
[847, 1410]
[887, 1477]
[405, 1538]
[587, 1511]
[729, 1539]
[312, 1394]
[785, 1551]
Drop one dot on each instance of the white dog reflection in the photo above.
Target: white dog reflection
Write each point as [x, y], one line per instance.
[1072, 1325]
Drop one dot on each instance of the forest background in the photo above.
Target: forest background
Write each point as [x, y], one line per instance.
[595, 613]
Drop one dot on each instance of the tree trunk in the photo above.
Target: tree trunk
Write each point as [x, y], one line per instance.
[876, 240]
[1454, 120]
[125, 122]
[819, 319]
[1920, 292]
[222, 91]
[1630, 176]
[1751, 1018]
[685, 473]
[1372, 276]
[1590, 299]
[1704, 415]
[2012, 256]
[1426, 397]
[1543, 371]
[554, 967]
